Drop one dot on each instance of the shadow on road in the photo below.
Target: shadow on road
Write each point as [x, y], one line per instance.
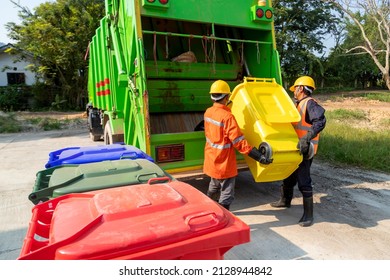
[11, 243]
[355, 198]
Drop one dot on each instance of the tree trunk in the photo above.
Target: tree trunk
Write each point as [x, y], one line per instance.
[386, 79]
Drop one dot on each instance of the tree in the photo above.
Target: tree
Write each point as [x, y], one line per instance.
[58, 34]
[301, 27]
[369, 30]
[348, 71]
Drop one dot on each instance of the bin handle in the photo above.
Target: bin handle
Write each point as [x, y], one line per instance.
[153, 181]
[145, 176]
[202, 221]
[128, 155]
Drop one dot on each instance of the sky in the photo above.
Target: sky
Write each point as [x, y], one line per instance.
[9, 13]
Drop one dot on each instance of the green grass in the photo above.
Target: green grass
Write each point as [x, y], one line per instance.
[49, 124]
[342, 143]
[53, 124]
[8, 124]
[384, 97]
[46, 124]
[380, 96]
[343, 114]
[385, 123]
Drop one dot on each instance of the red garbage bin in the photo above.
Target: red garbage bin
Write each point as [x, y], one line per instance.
[164, 221]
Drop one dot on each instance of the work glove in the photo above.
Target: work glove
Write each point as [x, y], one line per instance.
[258, 156]
[304, 143]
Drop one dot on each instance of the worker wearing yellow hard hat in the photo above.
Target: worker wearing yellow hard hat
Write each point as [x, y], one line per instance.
[223, 136]
[304, 81]
[312, 122]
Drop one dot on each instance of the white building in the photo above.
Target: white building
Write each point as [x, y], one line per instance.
[12, 72]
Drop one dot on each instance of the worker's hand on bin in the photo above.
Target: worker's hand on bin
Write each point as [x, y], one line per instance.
[258, 156]
[304, 143]
[303, 146]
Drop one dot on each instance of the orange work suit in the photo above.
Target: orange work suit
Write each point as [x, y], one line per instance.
[223, 136]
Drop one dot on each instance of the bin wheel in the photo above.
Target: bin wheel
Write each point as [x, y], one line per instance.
[266, 152]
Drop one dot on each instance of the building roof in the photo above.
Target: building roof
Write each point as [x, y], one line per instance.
[24, 53]
[5, 47]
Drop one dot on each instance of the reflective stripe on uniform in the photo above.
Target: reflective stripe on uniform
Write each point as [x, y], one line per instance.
[226, 146]
[220, 147]
[210, 120]
[222, 135]
[301, 126]
[238, 139]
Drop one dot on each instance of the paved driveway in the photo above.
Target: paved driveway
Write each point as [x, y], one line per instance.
[22, 156]
[352, 210]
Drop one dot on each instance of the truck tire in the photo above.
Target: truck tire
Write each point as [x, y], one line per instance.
[107, 134]
[94, 124]
[110, 138]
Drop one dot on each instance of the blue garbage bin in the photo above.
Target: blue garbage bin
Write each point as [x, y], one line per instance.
[80, 155]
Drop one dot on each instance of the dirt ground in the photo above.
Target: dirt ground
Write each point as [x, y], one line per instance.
[352, 209]
[376, 112]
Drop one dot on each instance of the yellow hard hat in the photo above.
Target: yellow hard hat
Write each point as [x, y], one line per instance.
[303, 81]
[220, 87]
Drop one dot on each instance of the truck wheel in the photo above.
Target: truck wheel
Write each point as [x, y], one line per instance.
[109, 138]
[107, 134]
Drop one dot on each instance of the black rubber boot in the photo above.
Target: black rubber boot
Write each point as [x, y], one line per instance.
[307, 218]
[285, 198]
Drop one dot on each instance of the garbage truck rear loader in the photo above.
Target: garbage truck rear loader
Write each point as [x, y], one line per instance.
[152, 62]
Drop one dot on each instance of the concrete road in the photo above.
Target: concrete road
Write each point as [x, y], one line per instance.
[22, 156]
[352, 209]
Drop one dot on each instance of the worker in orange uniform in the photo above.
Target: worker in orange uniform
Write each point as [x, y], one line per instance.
[308, 130]
[223, 136]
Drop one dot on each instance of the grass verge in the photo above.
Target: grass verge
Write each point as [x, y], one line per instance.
[9, 123]
[342, 143]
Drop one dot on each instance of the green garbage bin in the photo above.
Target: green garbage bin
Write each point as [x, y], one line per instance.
[60, 180]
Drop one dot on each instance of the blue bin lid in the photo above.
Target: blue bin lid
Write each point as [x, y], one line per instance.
[81, 155]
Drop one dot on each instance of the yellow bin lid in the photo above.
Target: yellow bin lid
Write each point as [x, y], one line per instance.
[272, 103]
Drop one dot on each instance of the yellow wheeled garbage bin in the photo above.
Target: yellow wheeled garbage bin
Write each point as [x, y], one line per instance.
[264, 112]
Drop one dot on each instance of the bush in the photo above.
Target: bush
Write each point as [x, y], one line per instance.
[43, 96]
[37, 97]
[14, 98]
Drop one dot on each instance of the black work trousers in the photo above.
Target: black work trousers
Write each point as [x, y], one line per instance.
[226, 189]
[302, 177]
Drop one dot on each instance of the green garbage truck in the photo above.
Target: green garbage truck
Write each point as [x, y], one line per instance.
[152, 62]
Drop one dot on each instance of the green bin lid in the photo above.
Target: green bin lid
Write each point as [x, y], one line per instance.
[93, 176]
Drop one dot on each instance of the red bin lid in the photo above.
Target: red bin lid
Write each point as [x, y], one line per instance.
[121, 221]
